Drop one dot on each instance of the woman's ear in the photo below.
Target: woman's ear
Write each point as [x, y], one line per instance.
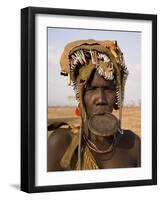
[115, 106]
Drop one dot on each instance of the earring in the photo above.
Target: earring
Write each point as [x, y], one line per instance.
[77, 111]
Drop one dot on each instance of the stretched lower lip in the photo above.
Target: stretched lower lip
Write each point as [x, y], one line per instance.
[107, 134]
[103, 125]
[102, 111]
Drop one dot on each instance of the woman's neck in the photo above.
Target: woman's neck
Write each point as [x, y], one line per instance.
[100, 141]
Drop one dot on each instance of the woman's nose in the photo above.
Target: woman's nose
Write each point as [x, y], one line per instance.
[101, 98]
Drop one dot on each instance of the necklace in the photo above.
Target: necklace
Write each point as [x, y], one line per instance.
[93, 146]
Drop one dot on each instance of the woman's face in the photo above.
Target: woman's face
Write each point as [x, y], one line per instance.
[100, 95]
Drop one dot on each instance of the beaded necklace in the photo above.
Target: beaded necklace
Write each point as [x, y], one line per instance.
[93, 146]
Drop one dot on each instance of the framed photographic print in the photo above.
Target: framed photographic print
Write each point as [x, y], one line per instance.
[88, 99]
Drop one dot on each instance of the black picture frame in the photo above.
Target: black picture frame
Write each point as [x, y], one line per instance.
[28, 89]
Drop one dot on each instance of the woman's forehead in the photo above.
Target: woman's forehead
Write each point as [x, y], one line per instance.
[98, 81]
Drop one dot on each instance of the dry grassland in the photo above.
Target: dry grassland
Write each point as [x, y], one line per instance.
[131, 117]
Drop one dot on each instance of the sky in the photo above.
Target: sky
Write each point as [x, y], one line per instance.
[60, 94]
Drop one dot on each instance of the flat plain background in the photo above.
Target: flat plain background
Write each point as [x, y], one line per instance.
[10, 99]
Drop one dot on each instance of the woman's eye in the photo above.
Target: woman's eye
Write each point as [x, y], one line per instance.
[110, 89]
[91, 88]
[107, 89]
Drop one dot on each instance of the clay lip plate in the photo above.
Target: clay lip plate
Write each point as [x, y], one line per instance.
[103, 124]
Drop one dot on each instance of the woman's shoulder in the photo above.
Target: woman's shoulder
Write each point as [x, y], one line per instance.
[131, 144]
[129, 139]
[58, 142]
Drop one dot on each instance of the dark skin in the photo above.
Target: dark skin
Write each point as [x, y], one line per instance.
[99, 97]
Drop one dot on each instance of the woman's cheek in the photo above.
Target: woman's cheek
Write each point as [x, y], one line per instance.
[111, 97]
[89, 96]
